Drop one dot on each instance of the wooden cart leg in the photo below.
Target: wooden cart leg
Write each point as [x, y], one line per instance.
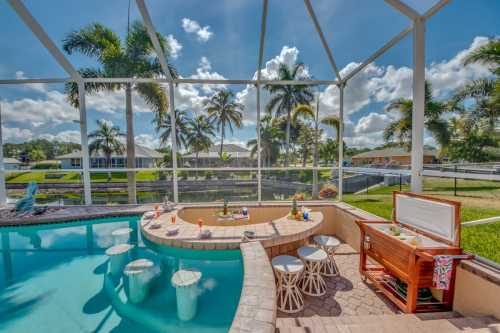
[450, 293]
[411, 300]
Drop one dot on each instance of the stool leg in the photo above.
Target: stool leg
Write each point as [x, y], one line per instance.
[289, 298]
[312, 283]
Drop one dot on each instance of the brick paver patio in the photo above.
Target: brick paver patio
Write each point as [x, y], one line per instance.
[347, 294]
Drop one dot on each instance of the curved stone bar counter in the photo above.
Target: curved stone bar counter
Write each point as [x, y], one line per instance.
[275, 232]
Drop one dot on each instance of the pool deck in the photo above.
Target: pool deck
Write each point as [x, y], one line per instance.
[276, 232]
[70, 213]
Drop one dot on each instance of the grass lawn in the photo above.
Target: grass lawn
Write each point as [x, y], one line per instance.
[480, 199]
[74, 177]
[483, 240]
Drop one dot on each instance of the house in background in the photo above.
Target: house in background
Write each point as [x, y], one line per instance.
[391, 157]
[238, 156]
[144, 158]
[10, 163]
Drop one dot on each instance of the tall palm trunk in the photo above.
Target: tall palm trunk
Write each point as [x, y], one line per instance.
[315, 153]
[132, 197]
[196, 165]
[287, 139]
[222, 134]
[108, 165]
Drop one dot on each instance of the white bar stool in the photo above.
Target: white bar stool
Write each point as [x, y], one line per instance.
[185, 282]
[311, 282]
[119, 256]
[139, 273]
[121, 235]
[329, 244]
[288, 270]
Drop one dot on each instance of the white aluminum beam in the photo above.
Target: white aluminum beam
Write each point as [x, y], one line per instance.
[163, 80]
[341, 141]
[379, 52]
[171, 99]
[3, 189]
[434, 9]
[257, 86]
[85, 144]
[154, 38]
[417, 133]
[262, 39]
[328, 51]
[43, 37]
[29, 81]
[404, 9]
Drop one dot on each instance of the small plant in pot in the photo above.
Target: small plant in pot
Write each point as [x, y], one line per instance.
[328, 192]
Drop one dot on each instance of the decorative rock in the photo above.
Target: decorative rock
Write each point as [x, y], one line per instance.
[118, 255]
[139, 273]
[185, 281]
[121, 235]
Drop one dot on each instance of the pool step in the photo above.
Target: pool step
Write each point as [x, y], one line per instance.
[440, 322]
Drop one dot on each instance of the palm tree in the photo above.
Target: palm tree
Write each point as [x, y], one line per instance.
[284, 98]
[223, 111]
[199, 136]
[486, 92]
[400, 130]
[270, 142]
[163, 122]
[488, 54]
[334, 122]
[133, 56]
[329, 150]
[306, 110]
[106, 140]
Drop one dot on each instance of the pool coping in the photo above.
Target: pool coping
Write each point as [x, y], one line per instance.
[257, 307]
[76, 213]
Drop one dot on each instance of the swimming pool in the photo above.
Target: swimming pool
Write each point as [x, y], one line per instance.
[53, 279]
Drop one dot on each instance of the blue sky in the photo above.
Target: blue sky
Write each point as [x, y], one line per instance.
[219, 39]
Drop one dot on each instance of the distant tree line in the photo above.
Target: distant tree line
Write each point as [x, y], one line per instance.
[38, 150]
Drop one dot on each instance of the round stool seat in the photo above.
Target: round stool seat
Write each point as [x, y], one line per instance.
[121, 235]
[311, 282]
[330, 244]
[118, 255]
[118, 249]
[122, 232]
[185, 278]
[185, 282]
[309, 253]
[139, 273]
[288, 270]
[327, 241]
[287, 264]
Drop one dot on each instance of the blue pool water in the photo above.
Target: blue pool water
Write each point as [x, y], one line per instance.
[53, 278]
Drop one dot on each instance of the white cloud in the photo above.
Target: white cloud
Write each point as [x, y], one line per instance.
[53, 108]
[175, 46]
[447, 76]
[374, 122]
[191, 26]
[64, 136]
[147, 140]
[203, 72]
[15, 134]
